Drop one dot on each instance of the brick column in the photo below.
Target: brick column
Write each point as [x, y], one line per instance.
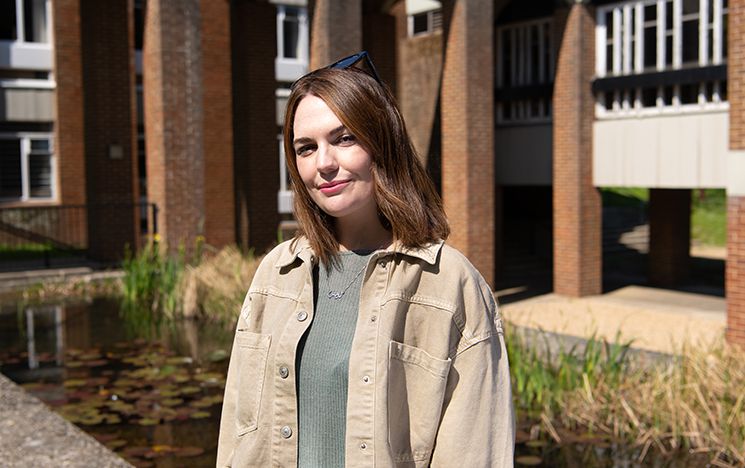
[335, 31]
[468, 130]
[219, 203]
[577, 204]
[69, 125]
[735, 277]
[669, 236]
[173, 107]
[110, 126]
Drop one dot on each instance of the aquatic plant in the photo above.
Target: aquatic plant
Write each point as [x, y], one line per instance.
[693, 402]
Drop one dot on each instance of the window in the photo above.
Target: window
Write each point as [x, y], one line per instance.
[292, 32]
[424, 23]
[284, 196]
[24, 21]
[26, 168]
[292, 43]
[525, 58]
[650, 36]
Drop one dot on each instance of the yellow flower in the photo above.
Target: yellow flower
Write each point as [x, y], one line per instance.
[156, 237]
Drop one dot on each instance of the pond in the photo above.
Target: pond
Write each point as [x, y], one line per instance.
[156, 401]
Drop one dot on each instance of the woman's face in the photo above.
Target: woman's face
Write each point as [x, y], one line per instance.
[333, 165]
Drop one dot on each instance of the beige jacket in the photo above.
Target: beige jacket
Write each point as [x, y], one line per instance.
[428, 372]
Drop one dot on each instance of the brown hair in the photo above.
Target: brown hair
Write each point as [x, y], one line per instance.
[407, 201]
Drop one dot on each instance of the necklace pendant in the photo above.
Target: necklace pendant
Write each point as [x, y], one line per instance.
[335, 295]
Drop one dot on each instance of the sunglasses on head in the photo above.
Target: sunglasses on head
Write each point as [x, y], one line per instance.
[359, 60]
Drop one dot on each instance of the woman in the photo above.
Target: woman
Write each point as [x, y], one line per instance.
[364, 341]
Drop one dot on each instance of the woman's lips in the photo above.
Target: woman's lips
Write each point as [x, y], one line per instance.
[332, 188]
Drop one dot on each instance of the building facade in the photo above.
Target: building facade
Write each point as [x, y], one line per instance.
[521, 111]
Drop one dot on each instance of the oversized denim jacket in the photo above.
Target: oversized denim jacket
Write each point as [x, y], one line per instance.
[428, 372]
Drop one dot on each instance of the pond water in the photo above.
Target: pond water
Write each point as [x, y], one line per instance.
[156, 401]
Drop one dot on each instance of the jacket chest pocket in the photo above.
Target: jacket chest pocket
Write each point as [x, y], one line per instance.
[416, 389]
[252, 353]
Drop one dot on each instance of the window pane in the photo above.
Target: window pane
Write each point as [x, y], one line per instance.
[632, 50]
[609, 58]
[669, 50]
[724, 35]
[506, 59]
[649, 97]
[420, 23]
[290, 35]
[667, 95]
[608, 100]
[40, 145]
[35, 20]
[690, 41]
[40, 175]
[8, 29]
[609, 25]
[535, 56]
[650, 47]
[10, 169]
[723, 91]
[689, 93]
[650, 13]
[690, 6]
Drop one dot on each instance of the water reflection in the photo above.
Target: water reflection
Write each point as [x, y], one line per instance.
[155, 399]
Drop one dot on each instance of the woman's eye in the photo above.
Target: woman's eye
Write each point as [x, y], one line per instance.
[303, 151]
[346, 139]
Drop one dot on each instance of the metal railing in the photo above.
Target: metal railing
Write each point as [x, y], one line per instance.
[36, 236]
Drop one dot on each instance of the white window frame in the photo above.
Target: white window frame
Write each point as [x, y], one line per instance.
[521, 68]
[21, 24]
[434, 23]
[288, 68]
[285, 195]
[629, 102]
[25, 138]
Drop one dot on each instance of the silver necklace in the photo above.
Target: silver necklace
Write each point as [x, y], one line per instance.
[336, 295]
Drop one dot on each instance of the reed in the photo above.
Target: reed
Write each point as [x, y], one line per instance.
[693, 402]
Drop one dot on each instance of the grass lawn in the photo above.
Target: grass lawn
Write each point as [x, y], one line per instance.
[31, 251]
[708, 210]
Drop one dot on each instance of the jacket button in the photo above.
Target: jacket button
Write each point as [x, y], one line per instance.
[302, 315]
[286, 432]
[284, 372]
[366, 379]
[363, 446]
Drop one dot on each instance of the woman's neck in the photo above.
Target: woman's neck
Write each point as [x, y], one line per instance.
[362, 236]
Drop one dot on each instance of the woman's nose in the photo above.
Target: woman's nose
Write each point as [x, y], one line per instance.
[326, 159]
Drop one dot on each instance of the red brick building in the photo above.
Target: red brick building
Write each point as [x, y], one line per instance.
[520, 110]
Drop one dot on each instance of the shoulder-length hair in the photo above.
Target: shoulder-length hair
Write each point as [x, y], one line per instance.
[408, 203]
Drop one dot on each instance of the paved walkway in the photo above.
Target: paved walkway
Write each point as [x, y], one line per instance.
[32, 435]
[654, 319]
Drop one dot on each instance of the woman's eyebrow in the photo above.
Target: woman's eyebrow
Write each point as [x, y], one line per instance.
[332, 133]
[301, 140]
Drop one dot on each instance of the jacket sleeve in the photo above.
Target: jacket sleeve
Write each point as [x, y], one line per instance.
[477, 427]
[227, 437]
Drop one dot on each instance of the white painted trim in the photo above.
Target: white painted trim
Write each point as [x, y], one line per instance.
[703, 32]
[736, 173]
[27, 83]
[661, 34]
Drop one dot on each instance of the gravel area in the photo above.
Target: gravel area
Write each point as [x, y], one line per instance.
[32, 435]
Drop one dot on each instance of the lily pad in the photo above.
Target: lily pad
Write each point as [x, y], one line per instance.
[172, 401]
[74, 383]
[536, 443]
[188, 451]
[115, 444]
[218, 355]
[200, 415]
[528, 460]
[190, 390]
[147, 422]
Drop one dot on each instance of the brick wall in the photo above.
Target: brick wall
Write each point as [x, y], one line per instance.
[419, 73]
[669, 236]
[467, 98]
[577, 204]
[110, 113]
[335, 31]
[735, 276]
[219, 203]
[173, 108]
[69, 126]
[256, 131]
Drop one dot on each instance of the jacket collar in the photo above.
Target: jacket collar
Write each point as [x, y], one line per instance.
[300, 248]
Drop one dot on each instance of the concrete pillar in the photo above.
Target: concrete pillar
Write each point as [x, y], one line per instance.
[69, 126]
[110, 127]
[577, 203]
[467, 98]
[336, 30]
[735, 276]
[174, 118]
[669, 236]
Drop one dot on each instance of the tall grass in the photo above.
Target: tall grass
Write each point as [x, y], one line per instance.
[694, 402]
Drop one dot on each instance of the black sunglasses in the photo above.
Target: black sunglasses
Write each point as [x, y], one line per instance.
[361, 58]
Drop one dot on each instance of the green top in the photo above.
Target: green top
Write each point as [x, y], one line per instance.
[323, 362]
